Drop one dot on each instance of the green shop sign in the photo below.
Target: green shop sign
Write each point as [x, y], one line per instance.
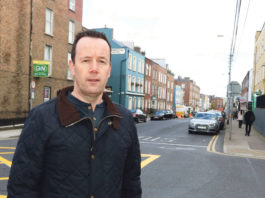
[41, 68]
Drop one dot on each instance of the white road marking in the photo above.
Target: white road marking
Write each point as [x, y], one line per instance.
[155, 139]
[170, 144]
[178, 148]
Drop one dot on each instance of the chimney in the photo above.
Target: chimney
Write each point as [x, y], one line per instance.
[137, 49]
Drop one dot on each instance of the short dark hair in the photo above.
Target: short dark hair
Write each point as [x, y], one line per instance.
[88, 33]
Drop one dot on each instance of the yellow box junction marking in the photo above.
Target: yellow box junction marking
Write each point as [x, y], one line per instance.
[148, 160]
[144, 163]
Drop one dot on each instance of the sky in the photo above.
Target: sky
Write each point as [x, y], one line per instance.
[194, 37]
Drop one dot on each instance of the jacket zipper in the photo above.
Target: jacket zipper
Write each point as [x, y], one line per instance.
[84, 118]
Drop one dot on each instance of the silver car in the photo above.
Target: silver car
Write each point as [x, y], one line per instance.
[204, 122]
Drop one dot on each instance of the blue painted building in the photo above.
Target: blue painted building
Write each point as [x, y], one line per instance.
[127, 73]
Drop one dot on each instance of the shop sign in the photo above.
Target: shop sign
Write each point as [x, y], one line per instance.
[41, 68]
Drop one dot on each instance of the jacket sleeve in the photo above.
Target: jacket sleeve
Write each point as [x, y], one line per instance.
[131, 187]
[26, 170]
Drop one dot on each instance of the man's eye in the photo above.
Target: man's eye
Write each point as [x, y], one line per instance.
[102, 61]
[85, 61]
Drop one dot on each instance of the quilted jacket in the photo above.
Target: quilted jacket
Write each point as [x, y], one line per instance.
[60, 155]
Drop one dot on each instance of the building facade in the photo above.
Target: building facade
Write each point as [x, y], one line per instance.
[159, 86]
[191, 91]
[127, 73]
[148, 85]
[170, 91]
[34, 52]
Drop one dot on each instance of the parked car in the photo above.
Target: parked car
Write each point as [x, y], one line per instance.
[139, 115]
[169, 114]
[158, 115]
[204, 122]
[221, 119]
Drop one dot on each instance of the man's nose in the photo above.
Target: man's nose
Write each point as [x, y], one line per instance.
[93, 66]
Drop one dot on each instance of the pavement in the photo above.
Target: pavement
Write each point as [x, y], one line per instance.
[252, 146]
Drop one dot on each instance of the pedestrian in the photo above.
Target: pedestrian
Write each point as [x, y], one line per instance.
[249, 118]
[240, 118]
[79, 144]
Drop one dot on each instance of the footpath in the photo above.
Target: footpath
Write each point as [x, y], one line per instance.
[252, 146]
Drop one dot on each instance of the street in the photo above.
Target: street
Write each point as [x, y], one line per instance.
[178, 164]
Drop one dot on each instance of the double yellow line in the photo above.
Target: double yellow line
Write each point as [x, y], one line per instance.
[212, 144]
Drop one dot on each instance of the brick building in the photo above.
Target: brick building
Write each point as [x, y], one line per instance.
[217, 103]
[191, 91]
[34, 31]
[148, 84]
[170, 91]
[158, 87]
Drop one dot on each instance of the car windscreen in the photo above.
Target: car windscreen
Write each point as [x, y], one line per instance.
[133, 111]
[206, 116]
[158, 112]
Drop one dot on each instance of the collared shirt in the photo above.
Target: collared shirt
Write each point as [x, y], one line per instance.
[85, 109]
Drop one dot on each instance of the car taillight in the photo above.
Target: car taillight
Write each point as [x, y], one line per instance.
[221, 119]
[134, 114]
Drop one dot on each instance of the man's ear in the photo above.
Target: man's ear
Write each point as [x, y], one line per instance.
[72, 67]
[109, 70]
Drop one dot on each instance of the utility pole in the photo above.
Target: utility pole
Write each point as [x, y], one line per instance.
[230, 96]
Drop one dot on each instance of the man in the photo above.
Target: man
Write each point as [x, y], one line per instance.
[249, 118]
[80, 144]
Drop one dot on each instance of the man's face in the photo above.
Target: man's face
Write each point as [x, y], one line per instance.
[92, 66]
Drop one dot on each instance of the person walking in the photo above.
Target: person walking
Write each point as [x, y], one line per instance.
[249, 118]
[240, 118]
[79, 144]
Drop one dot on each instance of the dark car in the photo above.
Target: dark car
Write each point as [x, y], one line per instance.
[158, 115]
[138, 115]
[220, 116]
[169, 114]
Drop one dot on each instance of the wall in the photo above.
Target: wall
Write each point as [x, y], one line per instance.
[14, 58]
[259, 123]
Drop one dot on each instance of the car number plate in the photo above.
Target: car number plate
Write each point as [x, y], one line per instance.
[201, 127]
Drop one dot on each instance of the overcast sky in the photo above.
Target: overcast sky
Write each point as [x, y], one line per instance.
[185, 33]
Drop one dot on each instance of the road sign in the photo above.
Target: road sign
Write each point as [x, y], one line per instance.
[33, 84]
[41, 68]
[118, 51]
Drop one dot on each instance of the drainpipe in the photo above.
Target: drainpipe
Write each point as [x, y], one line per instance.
[30, 56]
[124, 60]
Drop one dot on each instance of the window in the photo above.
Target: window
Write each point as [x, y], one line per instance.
[139, 83]
[134, 102]
[130, 61]
[49, 21]
[71, 34]
[139, 65]
[134, 82]
[142, 66]
[130, 103]
[142, 86]
[150, 70]
[134, 63]
[139, 103]
[47, 94]
[145, 87]
[146, 69]
[48, 57]
[149, 86]
[72, 5]
[129, 83]
[69, 75]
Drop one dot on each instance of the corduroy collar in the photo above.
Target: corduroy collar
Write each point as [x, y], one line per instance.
[68, 114]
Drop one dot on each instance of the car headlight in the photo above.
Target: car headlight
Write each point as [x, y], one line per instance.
[192, 124]
[213, 125]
